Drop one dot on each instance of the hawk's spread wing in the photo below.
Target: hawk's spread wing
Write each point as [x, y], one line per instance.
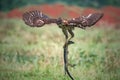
[91, 19]
[37, 18]
[34, 18]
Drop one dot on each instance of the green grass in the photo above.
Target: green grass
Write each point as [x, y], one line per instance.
[37, 54]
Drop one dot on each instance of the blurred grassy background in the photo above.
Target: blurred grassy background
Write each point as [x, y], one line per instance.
[36, 53]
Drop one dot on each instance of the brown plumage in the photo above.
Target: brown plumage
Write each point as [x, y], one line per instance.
[38, 19]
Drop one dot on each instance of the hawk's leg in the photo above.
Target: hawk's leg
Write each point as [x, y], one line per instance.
[72, 35]
[65, 33]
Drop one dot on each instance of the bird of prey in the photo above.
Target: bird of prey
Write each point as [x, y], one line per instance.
[38, 19]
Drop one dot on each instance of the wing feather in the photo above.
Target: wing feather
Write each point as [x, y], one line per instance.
[92, 19]
[34, 18]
